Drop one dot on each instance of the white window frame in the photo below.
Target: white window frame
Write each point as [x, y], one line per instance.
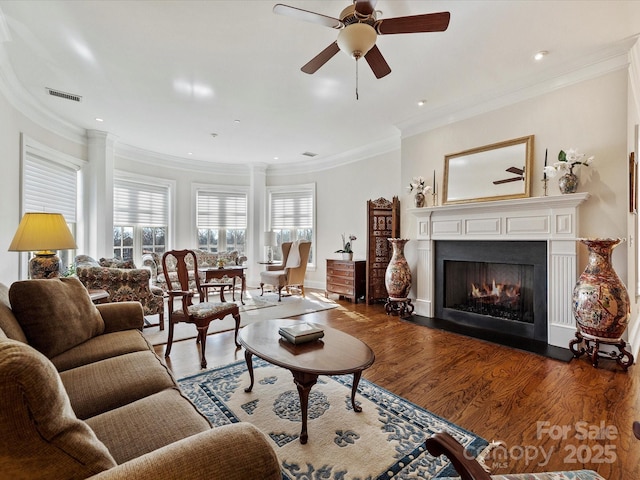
[216, 188]
[170, 185]
[301, 188]
[31, 148]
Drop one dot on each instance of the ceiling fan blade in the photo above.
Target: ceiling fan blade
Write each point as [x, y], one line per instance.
[307, 16]
[365, 7]
[377, 62]
[319, 60]
[515, 170]
[429, 22]
[508, 180]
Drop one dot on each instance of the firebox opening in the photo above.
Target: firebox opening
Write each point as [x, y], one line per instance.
[494, 289]
[494, 286]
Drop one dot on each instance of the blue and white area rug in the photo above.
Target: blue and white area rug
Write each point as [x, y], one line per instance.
[384, 441]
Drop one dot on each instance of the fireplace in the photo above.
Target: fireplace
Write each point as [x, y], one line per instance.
[493, 285]
[546, 223]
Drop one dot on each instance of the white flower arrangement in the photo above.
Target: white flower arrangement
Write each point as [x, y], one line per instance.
[346, 245]
[566, 162]
[418, 184]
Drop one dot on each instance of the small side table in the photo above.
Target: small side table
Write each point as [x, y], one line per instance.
[98, 296]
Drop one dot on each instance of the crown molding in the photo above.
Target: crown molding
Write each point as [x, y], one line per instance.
[369, 150]
[28, 106]
[606, 61]
[140, 155]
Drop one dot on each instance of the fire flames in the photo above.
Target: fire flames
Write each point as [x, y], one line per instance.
[496, 293]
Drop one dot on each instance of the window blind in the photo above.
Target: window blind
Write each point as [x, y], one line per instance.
[291, 210]
[49, 187]
[221, 210]
[140, 204]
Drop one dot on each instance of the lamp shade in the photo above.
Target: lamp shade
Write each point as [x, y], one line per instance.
[270, 239]
[41, 232]
[357, 39]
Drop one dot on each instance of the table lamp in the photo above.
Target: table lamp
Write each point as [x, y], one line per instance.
[42, 233]
[270, 241]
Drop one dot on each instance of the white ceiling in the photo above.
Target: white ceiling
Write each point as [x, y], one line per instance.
[165, 75]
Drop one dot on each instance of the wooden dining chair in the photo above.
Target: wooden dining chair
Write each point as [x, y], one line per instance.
[200, 314]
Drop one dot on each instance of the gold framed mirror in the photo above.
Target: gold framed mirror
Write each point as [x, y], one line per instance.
[498, 171]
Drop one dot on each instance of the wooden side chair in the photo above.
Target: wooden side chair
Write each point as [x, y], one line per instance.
[468, 468]
[200, 314]
[281, 276]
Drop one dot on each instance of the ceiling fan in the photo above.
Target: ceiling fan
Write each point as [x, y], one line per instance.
[518, 172]
[359, 27]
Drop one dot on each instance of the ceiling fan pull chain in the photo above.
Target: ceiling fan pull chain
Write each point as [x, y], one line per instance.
[357, 79]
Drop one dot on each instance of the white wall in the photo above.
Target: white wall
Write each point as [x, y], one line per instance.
[590, 116]
[341, 204]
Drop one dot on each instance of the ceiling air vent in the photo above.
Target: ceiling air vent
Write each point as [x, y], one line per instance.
[310, 154]
[65, 95]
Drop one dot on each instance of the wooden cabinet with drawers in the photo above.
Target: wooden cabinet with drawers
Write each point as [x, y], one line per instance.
[346, 278]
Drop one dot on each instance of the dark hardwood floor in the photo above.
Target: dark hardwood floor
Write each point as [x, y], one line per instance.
[551, 415]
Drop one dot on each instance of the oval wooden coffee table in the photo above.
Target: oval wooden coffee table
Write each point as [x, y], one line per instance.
[335, 354]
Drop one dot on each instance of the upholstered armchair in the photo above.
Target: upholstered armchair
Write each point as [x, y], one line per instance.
[288, 274]
[123, 282]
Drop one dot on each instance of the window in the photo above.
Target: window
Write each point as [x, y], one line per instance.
[292, 215]
[50, 184]
[221, 220]
[140, 218]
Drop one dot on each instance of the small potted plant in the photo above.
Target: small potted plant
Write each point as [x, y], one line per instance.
[346, 250]
[418, 184]
[567, 161]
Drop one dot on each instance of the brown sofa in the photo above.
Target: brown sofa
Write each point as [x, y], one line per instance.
[85, 396]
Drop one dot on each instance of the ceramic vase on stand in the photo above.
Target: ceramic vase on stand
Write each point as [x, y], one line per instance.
[397, 280]
[347, 255]
[419, 199]
[600, 304]
[568, 183]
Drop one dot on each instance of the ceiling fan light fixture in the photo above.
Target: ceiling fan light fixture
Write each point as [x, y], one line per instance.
[357, 39]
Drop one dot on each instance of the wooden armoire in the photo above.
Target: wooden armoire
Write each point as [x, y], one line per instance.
[383, 223]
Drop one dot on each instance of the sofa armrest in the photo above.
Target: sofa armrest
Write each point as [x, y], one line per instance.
[121, 316]
[239, 451]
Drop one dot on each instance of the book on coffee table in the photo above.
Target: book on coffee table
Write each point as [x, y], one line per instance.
[301, 333]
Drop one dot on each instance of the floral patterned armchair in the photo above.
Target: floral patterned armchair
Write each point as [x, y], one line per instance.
[123, 282]
[153, 263]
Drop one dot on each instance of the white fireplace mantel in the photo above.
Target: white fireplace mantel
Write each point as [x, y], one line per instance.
[552, 219]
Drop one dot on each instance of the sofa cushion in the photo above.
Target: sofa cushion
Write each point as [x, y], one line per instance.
[42, 438]
[101, 347]
[101, 386]
[56, 314]
[152, 418]
[9, 326]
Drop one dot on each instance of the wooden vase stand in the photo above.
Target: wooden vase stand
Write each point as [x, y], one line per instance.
[399, 306]
[582, 344]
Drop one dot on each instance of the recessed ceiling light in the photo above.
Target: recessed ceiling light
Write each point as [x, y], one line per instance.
[99, 120]
[275, 158]
[540, 55]
[236, 121]
[421, 103]
[189, 153]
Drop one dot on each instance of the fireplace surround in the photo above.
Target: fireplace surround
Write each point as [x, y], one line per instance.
[550, 221]
[499, 286]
